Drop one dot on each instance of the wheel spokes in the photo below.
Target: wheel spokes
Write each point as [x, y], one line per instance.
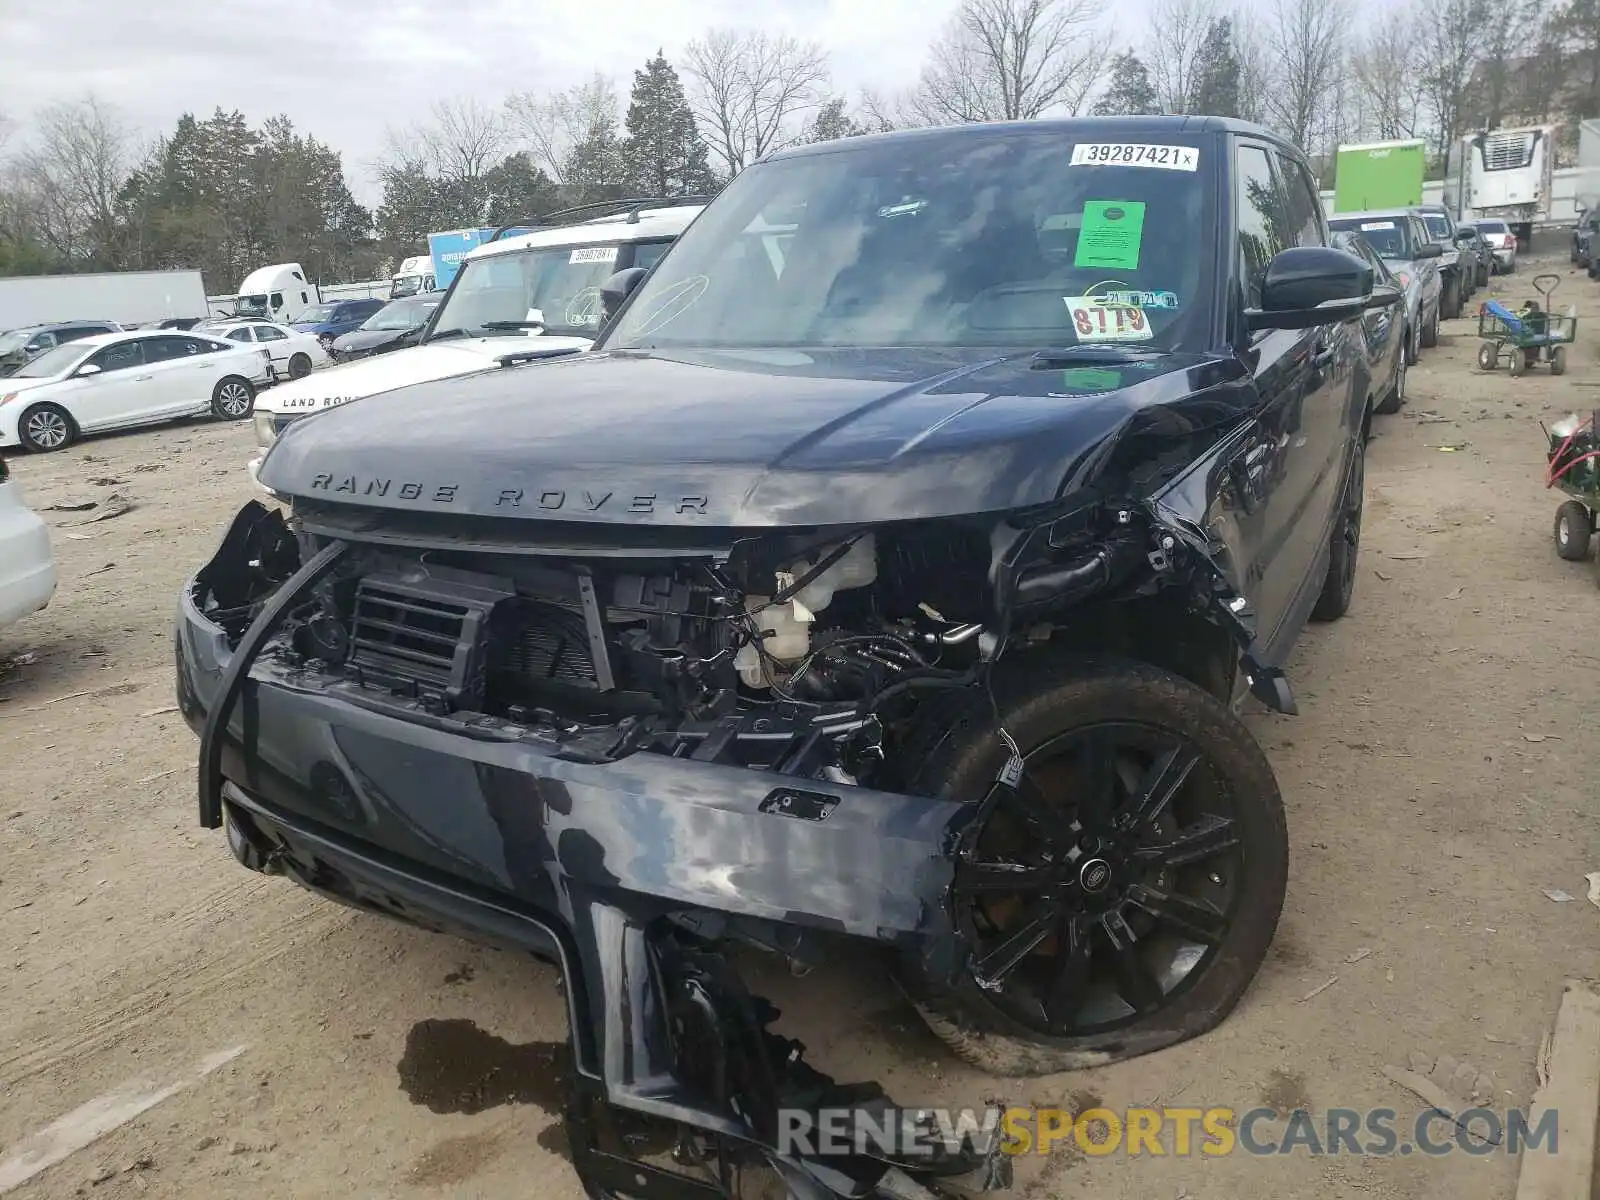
[1039, 923]
[1134, 980]
[1097, 800]
[1161, 783]
[980, 877]
[1193, 918]
[1206, 838]
[1070, 986]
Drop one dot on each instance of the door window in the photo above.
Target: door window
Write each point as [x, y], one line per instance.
[241, 334]
[40, 342]
[1303, 209]
[269, 333]
[119, 357]
[1263, 222]
[165, 349]
[277, 300]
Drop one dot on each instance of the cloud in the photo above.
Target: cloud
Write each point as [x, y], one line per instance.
[344, 71]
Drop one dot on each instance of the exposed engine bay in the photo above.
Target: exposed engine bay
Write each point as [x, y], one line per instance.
[803, 654]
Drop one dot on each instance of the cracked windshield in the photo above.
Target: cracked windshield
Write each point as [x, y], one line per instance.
[551, 290]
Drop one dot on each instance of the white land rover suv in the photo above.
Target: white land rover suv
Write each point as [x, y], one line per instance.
[542, 285]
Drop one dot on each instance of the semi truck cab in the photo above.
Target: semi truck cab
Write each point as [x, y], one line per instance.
[278, 293]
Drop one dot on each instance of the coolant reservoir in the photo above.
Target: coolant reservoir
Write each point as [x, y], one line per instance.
[786, 639]
[857, 568]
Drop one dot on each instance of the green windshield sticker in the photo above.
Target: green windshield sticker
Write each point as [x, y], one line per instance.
[1111, 234]
[1090, 379]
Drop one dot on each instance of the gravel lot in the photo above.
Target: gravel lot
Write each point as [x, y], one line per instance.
[1435, 782]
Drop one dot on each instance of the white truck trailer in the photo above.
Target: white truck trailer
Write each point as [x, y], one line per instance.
[1505, 173]
[126, 297]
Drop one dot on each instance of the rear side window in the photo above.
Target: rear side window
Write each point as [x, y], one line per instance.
[1262, 218]
[269, 333]
[164, 349]
[242, 334]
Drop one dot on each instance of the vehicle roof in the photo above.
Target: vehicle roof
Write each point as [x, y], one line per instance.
[619, 227]
[1113, 128]
[97, 340]
[45, 326]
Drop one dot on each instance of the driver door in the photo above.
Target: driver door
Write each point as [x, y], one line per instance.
[116, 393]
[1281, 482]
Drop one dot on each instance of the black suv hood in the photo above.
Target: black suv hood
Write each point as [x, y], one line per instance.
[749, 438]
[368, 339]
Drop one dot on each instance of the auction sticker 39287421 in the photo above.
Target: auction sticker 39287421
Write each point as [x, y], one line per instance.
[1136, 154]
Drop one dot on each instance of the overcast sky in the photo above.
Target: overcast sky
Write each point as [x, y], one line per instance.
[343, 70]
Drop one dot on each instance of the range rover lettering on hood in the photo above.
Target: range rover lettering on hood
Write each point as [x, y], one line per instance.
[552, 500]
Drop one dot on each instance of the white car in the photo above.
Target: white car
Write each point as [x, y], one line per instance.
[521, 297]
[116, 380]
[27, 567]
[293, 353]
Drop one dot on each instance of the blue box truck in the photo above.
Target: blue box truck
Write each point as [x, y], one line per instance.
[448, 249]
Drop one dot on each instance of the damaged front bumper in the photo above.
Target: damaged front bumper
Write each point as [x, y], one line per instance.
[618, 872]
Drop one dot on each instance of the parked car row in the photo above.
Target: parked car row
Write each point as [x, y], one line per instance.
[119, 380]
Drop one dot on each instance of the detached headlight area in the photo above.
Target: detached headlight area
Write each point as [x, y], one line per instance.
[266, 428]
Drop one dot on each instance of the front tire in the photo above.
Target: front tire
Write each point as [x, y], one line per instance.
[44, 428]
[1573, 530]
[233, 399]
[1430, 332]
[1450, 303]
[1184, 874]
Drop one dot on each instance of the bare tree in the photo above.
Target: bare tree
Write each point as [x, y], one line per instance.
[1386, 69]
[1305, 47]
[553, 126]
[752, 92]
[1450, 47]
[1013, 60]
[1177, 33]
[1255, 73]
[460, 144]
[74, 166]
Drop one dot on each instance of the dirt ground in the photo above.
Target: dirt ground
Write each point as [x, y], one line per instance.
[1435, 780]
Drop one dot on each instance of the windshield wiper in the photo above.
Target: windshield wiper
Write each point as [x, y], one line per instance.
[512, 325]
[440, 334]
[1091, 353]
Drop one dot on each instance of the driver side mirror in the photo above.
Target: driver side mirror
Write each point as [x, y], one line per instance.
[88, 369]
[1464, 235]
[616, 290]
[1429, 250]
[1314, 285]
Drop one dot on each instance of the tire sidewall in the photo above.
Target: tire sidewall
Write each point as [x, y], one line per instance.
[1052, 697]
[216, 399]
[33, 446]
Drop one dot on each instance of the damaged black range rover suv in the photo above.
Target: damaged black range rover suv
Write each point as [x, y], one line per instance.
[889, 573]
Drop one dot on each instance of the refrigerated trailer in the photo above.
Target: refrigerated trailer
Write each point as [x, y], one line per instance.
[126, 297]
[1505, 173]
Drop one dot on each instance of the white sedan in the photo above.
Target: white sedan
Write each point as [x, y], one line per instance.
[27, 567]
[115, 380]
[293, 353]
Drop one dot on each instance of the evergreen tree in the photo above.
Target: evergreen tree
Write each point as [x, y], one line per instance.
[1216, 73]
[662, 154]
[832, 122]
[1129, 91]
